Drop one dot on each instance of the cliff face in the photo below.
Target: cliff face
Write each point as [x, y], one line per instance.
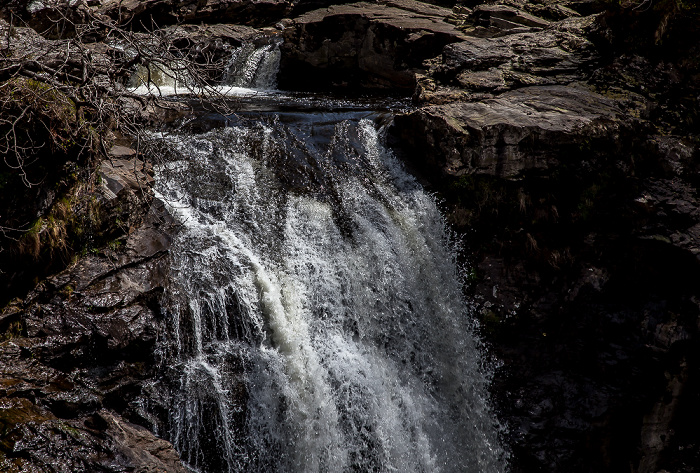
[561, 134]
[568, 154]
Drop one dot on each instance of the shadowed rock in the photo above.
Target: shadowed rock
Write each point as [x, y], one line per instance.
[519, 130]
[363, 44]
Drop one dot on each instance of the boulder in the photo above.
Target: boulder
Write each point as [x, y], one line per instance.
[363, 44]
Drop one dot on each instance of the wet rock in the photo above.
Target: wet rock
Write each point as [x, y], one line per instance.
[363, 44]
[140, 447]
[210, 44]
[76, 358]
[34, 439]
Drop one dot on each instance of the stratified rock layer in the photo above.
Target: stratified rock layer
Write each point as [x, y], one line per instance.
[521, 130]
[363, 44]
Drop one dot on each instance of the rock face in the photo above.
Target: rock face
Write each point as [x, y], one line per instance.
[521, 130]
[363, 44]
[555, 148]
[77, 358]
[550, 56]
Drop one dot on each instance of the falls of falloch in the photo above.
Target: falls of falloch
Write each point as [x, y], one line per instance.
[317, 316]
[349, 236]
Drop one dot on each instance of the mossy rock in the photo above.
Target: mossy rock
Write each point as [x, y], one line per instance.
[48, 149]
[40, 133]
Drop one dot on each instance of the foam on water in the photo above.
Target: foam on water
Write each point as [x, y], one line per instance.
[317, 331]
[251, 71]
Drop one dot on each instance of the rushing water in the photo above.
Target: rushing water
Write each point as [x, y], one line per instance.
[251, 67]
[318, 322]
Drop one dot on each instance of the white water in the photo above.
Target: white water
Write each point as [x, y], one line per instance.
[250, 71]
[254, 67]
[321, 329]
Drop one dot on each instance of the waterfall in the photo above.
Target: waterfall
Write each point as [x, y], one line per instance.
[252, 67]
[318, 322]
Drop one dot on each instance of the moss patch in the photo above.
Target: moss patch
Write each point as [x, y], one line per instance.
[45, 181]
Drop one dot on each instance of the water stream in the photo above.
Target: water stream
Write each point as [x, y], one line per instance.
[318, 322]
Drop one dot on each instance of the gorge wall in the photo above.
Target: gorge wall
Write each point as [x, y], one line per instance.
[562, 136]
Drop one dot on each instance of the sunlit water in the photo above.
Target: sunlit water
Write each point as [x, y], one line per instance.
[251, 71]
[318, 318]
[316, 312]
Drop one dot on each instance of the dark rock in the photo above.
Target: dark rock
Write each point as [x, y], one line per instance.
[552, 56]
[60, 18]
[75, 369]
[552, 10]
[477, 68]
[34, 439]
[140, 447]
[504, 17]
[579, 202]
[520, 130]
[363, 44]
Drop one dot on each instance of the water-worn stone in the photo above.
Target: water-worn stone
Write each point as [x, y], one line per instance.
[120, 174]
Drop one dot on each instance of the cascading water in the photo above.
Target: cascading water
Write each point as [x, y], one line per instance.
[254, 66]
[318, 323]
[251, 67]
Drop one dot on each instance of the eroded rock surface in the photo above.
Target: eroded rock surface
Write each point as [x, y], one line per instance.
[363, 44]
[576, 187]
[525, 129]
[77, 358]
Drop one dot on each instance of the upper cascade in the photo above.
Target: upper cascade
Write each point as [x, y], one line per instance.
[254, 66]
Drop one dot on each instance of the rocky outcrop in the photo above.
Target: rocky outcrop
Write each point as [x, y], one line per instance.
[555, 55]
[364, 45]
[522, 130]
[556, 149]
[77, 356]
